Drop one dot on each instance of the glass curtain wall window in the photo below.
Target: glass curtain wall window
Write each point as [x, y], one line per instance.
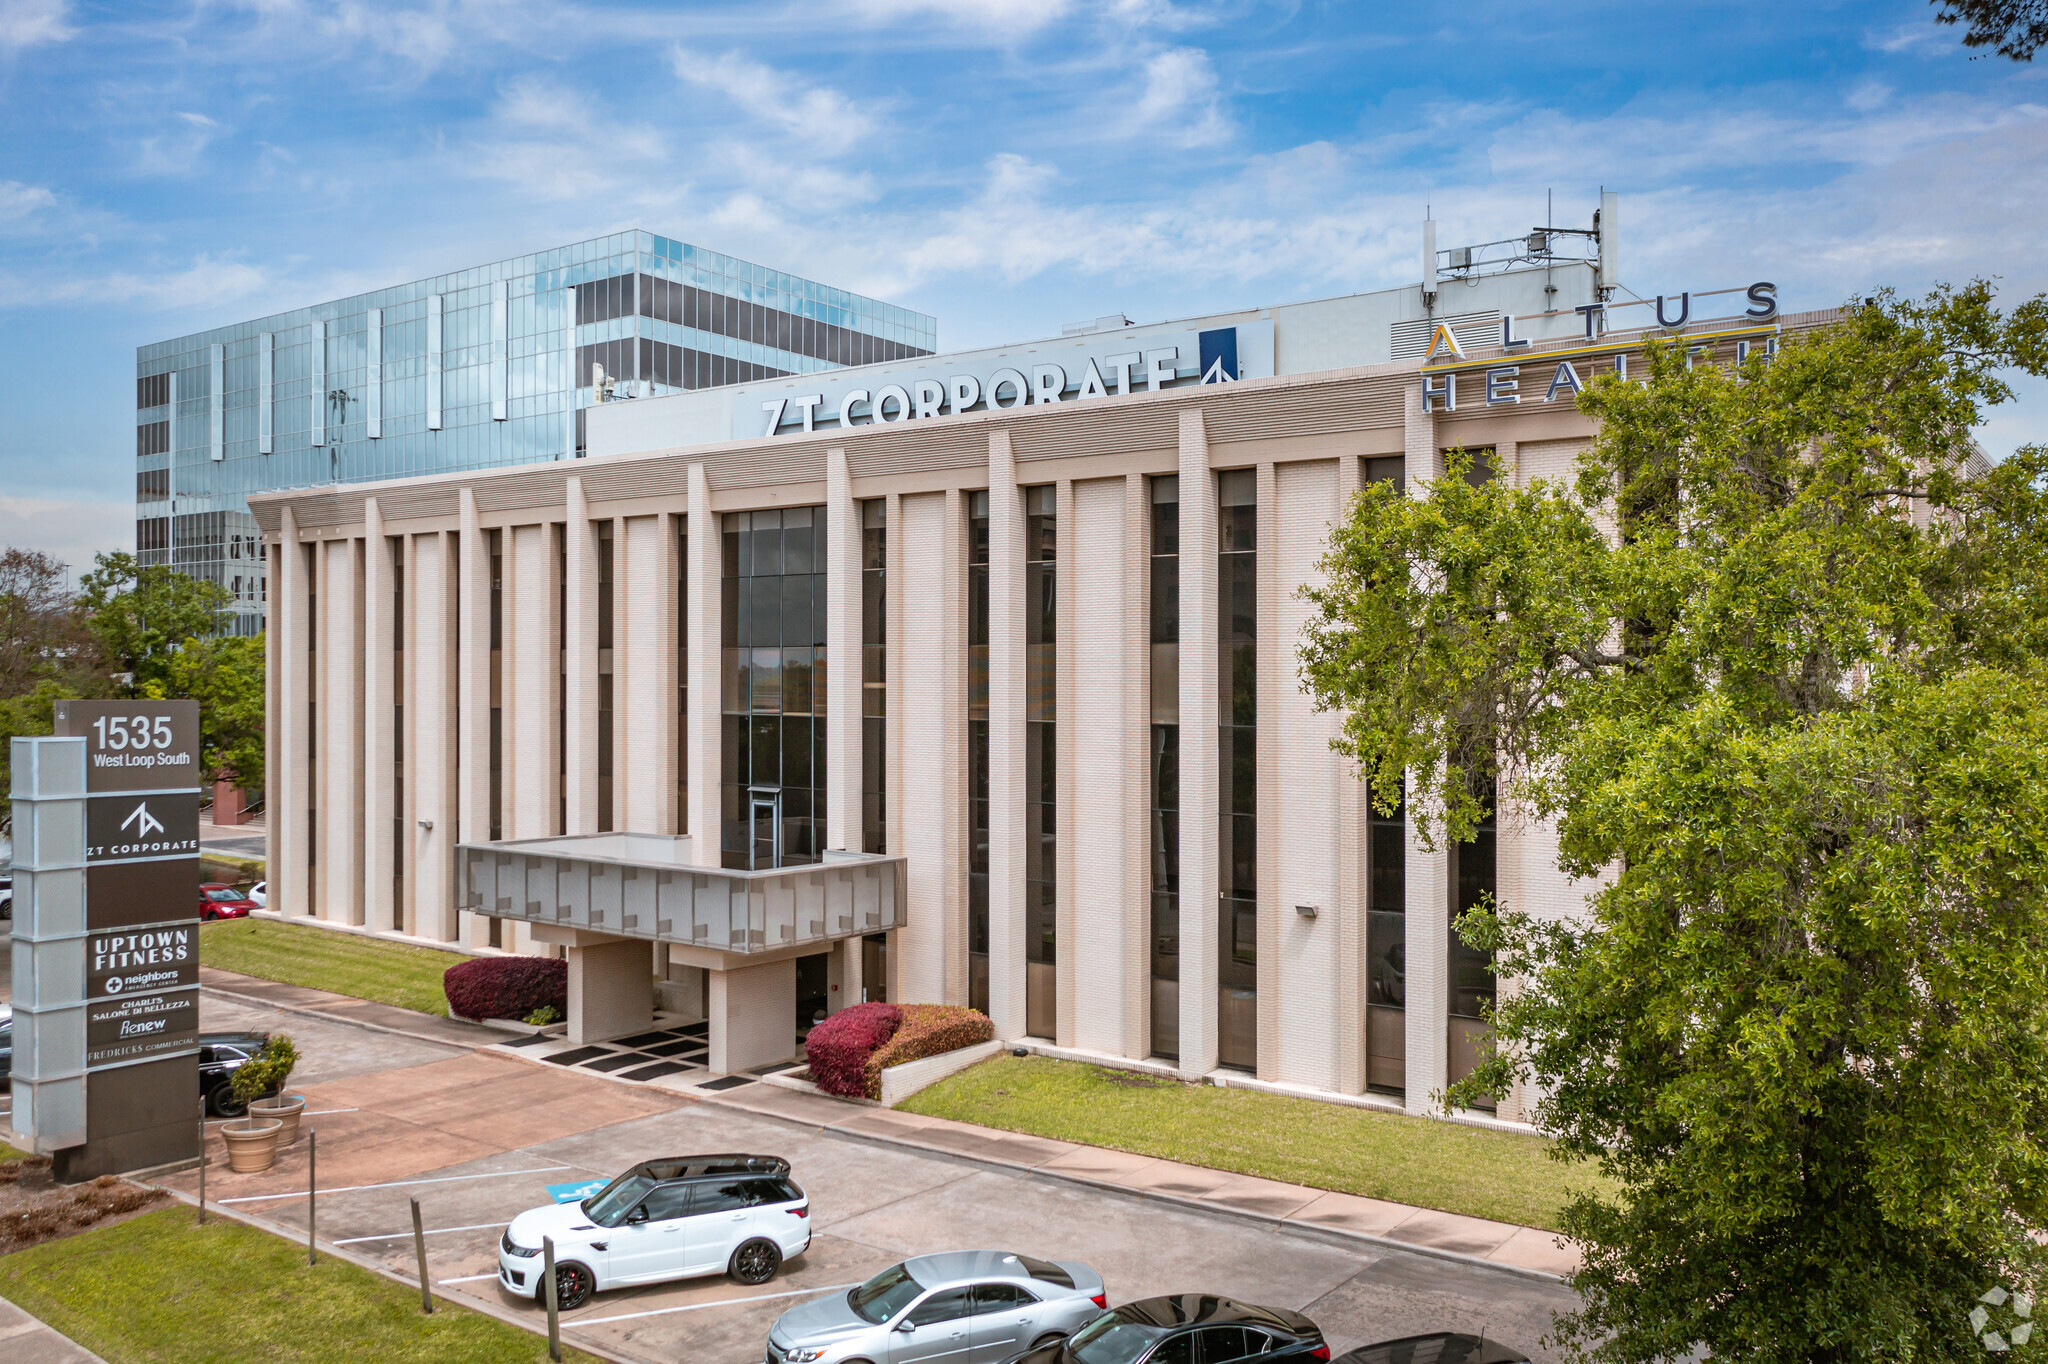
[1165, 765]
[682, 674]
[977, 751]
[1041, 762]
[1237, 862]
[773, 685]
[398, 822]
[1474, 881]
[1386, 1042]
[874, 675]
[605, 717]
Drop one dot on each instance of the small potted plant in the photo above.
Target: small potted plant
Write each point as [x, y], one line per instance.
[259, 1082]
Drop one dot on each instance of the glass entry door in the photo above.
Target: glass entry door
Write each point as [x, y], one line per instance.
[765, 836]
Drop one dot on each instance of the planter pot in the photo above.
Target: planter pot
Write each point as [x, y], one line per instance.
[286, 1109]
[252, 1143]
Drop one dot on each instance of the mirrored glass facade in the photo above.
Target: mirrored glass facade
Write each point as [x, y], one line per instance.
[476, 369]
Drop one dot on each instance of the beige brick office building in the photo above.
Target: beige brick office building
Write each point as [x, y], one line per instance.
[973, 682]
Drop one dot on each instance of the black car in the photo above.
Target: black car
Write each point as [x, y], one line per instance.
[219, 1055]
[1446, 1347]
[1190, 1328]
[6, 1041]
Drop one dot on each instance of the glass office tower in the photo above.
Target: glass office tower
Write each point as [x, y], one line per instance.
[478, 369]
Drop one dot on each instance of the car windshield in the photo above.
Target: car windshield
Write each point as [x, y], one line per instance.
[1109, 1339]
[223, 894]
[609, 1205]
[883, 1296]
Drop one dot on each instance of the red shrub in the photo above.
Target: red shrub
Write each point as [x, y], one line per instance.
[927, 1030]
[505, 987]
[838, 1049]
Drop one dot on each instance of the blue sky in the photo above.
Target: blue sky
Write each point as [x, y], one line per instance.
[1007, 165]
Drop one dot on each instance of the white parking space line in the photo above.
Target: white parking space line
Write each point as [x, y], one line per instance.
[722, 1302]
[472, 1278]
[430, 1231]
[398, 1184]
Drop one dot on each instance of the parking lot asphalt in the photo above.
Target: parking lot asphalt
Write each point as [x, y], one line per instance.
[478, 1136]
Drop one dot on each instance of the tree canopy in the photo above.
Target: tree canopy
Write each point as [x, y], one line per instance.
[2011, 28]
[141, 614]
[1775, 662]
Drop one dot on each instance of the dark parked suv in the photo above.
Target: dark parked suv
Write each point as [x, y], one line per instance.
[1189, 1328]
[220, 1053]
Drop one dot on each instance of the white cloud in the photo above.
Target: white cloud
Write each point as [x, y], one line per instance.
[1180, 96]
[19, 201]
[197, 120]
[553, 143]
[1000, 20]
[207, 281]
[1869, 96]
[818, 114]
[30, 23]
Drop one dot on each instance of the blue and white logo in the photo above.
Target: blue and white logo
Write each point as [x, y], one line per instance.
[1219, 356]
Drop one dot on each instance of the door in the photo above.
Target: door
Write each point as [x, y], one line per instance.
[939, 1330]
[765, 835]
[1226, 1344]
[813, 990]
[658, 1247]
[874, 968]
[721, 1216]
[1005, 1321]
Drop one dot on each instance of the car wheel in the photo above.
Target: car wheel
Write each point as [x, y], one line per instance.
[755, 1261]
[574, 1284]
[221, 1098]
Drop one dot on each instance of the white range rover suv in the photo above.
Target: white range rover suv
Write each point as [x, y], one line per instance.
[663, 1219]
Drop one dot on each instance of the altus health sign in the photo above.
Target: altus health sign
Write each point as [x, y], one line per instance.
[106, 932]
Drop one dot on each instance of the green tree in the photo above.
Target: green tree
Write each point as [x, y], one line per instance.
[224, 674]
[2011, 28]
[141, 615]
[46, 653]
[1773, 662]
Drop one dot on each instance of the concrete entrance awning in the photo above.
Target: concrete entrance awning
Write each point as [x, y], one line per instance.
[648, 886]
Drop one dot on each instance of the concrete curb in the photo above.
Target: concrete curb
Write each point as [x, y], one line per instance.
[254, 1002]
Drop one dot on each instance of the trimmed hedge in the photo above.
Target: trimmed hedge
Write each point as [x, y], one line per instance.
[506, 987]
[838, 1049]
[927, 1030]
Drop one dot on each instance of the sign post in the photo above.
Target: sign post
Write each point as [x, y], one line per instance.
[107, 907]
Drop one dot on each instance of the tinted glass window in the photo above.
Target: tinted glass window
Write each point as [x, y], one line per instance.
[722, 1196]
[1109, 1339]
[1178, 1349]
[883, 1296]
[1046, 1270]
[1221, 1344]
[609, 1205]
[947, 1306]
[668, 1201]
[223, 895]
[1000, 1297]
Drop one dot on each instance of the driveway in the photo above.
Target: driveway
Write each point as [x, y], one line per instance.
[477, 1136]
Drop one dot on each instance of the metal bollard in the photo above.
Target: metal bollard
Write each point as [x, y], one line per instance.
[419, 1250]
[202, 1160]
[312, 1187]
[547, 1250]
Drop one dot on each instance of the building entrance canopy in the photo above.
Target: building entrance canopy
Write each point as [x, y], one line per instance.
[647, 886]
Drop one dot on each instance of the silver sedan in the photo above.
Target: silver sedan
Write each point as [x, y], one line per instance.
[960, 1307]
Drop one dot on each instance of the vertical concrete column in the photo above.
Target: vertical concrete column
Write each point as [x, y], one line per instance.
[430, 753]
[1352, 844]
[753, 1016]
[611, 989]
[644, 672]
[532, 615]
[380, 795]
[1066, 694]
[473, 675]
[1006, 764]
[341, 743]
[319, 838]
[1275, 663]
[287, 794]
[894, 672]
[1426, 982]
[843, 736]
[579, 668]
[847, 972]
[1136, 787]
[929, 953]
[706, 615]
[1198, 751]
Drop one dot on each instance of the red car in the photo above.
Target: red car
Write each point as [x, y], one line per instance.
[217, 901]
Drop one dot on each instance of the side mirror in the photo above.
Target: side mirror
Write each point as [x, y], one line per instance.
[637, 1216]
[906, 1325]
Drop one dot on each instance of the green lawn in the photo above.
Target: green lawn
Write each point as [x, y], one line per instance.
[367, 968]
[159, 1289]
[1501, 1175]
[8, 1153]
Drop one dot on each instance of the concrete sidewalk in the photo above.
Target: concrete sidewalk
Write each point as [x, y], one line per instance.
[1450, 1235]
[302, 999]
[24, 1339]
